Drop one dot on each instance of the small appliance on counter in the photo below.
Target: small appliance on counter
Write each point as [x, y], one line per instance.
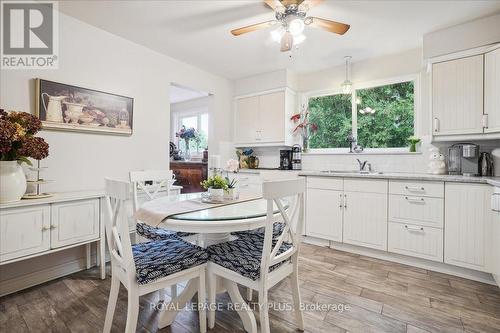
[463, 159]
[285, 159]
[296, 157]
[485, 164]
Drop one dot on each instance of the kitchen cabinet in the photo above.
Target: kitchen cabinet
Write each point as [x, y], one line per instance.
[416, 241]
[264, 119]
[24, 231]
[492, 90]
[365, 213]
[457, 96]
[324, 214]
[468, 226]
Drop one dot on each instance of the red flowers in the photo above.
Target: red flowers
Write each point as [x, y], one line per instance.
[304, 124]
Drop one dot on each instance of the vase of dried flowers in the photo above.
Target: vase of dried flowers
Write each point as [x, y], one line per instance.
[304, 127]
[17, 144]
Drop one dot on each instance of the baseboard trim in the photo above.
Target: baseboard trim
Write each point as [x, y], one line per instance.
[34, 278]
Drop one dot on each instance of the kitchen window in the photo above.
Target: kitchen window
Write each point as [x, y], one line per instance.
[380, 115]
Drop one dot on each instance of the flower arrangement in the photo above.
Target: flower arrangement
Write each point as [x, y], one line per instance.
[17, 140]
[187, 133]
[413, 140]
[303, 126]
[215, 182]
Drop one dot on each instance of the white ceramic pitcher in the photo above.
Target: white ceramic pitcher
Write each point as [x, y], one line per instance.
[53, 111]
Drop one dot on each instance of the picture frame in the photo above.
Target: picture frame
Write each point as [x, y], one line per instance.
[65, 107]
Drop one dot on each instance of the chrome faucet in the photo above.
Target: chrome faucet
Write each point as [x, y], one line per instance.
[362, 166]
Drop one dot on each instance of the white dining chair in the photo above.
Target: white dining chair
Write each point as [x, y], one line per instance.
[145, 267]
[258, 262]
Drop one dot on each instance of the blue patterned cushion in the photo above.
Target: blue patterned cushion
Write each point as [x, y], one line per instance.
[153, 233]
[243, 255]
[277, 231]
[157, 259]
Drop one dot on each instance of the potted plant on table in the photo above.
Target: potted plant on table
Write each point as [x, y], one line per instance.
[216, 185]
[232, 192]
[17, 144]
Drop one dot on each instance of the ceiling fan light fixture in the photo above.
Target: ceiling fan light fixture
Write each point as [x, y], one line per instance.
[277, 34]
[286, 42]
[296, 26]
[308, 20]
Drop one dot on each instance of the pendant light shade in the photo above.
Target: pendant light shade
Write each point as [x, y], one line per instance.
[347, 84]
[286, 41]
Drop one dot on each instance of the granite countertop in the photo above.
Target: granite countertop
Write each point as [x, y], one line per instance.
[187, 162]
[407, 176]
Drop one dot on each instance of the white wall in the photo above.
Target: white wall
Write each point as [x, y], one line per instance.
[461, 37]
[92, 58]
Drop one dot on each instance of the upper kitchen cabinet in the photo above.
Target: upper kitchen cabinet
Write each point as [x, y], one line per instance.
[264, 119]
[457, 96]
[492, 90]
[465, 98]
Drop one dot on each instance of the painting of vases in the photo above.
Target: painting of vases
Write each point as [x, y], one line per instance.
[65, 107]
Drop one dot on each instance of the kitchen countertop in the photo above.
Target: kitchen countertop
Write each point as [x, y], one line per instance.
[495, 181]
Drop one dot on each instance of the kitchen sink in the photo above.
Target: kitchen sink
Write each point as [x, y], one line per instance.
[352, 171]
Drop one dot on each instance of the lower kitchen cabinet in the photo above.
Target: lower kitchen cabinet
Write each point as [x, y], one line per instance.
[365, 219]
[468, 225]
[416, 241]
[324, 214]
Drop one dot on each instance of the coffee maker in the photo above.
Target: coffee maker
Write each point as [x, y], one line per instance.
[463, 159]
[285, 159]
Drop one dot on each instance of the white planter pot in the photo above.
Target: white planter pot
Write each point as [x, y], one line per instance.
[12, 181]
[231, 194]
[216, 193]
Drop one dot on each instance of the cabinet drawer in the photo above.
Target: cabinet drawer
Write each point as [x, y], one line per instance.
[416, 241]
[418, 210]
[24, 231]
[365, 185]
[74, 222]
[325, 183]
[425, 189]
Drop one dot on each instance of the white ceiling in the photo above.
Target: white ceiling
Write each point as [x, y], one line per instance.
[197, 32]
[181, 94]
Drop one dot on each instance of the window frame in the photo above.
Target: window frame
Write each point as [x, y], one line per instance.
[354, 109]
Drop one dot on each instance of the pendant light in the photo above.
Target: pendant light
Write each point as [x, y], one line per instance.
[286, 41]
[347, 84]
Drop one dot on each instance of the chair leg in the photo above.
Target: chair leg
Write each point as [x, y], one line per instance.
[202, 311]
[212, 279]
[296, 297]
[113, 298]
[249, 294]
[264, 311]
[132, 310]
[173, 291]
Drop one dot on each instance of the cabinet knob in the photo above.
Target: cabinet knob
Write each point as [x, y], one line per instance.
[44, 228]
[345, 200]
[53, 226]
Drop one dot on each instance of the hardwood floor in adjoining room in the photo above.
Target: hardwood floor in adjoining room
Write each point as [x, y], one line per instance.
[377, 296]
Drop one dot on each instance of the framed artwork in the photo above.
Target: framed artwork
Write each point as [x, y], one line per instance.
[69, 108]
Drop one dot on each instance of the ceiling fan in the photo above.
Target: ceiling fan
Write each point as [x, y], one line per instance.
[291, 17]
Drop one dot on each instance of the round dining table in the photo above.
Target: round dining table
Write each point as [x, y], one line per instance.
[213, 225]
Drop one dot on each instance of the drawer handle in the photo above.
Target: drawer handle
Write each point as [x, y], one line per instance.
[410, 228]
[53, 226]
[414, 188]
[44, 228]
[415, 199]
[345, 201]
[340, 201]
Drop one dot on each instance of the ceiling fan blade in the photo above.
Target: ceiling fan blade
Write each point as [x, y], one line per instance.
[253, 27]
[272, 3]
[286, 3]
[332, 26]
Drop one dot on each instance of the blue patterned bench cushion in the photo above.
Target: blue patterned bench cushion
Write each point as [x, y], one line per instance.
[277, 231]
[157, 259]
[153, 233]
[243, 255]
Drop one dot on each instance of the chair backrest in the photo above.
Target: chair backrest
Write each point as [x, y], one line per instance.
[116, 224]
[161, 181]
[293, 218]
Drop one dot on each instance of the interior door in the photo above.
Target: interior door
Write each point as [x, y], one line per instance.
[247, 119]
[492, 90]
[24, 231]
[457, 96]
[272, 117]
[365, 219]
[324, 214]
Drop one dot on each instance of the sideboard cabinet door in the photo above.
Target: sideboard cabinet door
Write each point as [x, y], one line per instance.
[24, 231]
[74, 222]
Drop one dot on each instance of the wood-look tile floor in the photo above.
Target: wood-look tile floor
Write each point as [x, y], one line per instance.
[376, 296]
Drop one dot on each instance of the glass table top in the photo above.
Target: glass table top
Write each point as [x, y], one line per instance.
[238, 211]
